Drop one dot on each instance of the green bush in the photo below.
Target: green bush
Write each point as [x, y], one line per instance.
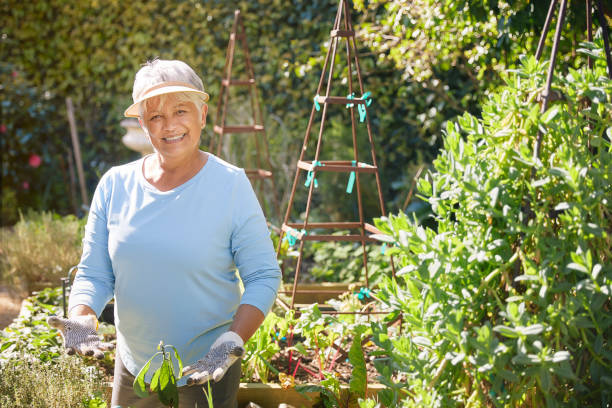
[508, 302]
[40, 249]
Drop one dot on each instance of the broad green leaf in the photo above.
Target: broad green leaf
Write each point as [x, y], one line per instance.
[359, 382]
[168, 391]
[139, 383]
[155, 381]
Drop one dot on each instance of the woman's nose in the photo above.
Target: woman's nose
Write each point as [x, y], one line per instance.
[170, 123]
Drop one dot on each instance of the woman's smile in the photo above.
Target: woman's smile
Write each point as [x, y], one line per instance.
[174, 139]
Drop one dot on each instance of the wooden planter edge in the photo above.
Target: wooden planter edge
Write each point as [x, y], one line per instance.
[272, 394]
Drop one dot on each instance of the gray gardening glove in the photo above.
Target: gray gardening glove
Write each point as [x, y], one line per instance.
[228, 348]
[80, 335]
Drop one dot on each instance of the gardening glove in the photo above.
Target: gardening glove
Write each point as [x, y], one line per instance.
[80, 335]
[228, 348]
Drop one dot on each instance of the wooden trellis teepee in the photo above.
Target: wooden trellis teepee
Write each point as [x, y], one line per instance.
[255, 129]
[323, 100]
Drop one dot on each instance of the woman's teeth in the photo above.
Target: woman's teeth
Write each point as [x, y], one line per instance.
[172, 139]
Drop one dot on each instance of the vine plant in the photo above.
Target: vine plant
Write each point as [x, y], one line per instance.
[508, 301]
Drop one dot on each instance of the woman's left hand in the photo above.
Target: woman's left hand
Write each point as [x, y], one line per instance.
[224, 352]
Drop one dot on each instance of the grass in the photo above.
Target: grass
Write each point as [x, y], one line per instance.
[38, 250]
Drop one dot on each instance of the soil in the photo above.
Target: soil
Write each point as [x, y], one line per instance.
[10, 304]
[308, 369]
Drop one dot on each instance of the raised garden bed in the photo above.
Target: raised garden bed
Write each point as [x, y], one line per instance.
[271, 395]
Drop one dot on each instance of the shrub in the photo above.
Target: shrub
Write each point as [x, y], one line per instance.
[40, 249]
[508, 302]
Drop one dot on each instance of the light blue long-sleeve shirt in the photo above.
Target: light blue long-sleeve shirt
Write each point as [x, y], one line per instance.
[169, 259]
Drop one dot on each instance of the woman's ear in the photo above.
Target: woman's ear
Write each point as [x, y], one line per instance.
[204, 113]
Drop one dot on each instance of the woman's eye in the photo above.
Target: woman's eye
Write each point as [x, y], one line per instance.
[181, 111]
[155, 117]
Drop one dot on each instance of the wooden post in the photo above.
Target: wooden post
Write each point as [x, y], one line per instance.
[77, 151]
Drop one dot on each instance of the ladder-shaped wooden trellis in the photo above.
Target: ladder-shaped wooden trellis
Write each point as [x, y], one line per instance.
[256, 129]
[303, 231]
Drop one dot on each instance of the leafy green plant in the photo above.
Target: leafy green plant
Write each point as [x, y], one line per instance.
[262, 346]
[507, 303]
[29, 333]
[325, 336]
[332, 395]
[39, 250]
[164, 380]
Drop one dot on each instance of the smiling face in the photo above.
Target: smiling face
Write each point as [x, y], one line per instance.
[174, 125]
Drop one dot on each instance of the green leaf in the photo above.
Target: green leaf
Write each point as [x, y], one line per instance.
[560, 356]
[155, 381]
[577, 267]
[359, 381]
[506, 331]
[530, 330]
[550, 114]
[527, 359]
[545, 379]
[168, 391]
[96, 402]
[139, 383]
[304, 389]
[180, 362]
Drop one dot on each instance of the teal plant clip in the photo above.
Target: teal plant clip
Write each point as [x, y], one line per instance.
[316, 102]
[351, 96]
[367, 98]
[351, 181]
[383, 248]
[363, 293]
[310, 177]
[290, 238]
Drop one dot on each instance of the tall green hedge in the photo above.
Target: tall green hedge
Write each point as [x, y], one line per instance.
[91, 50]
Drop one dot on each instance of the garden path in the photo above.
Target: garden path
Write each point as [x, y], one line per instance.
[10, 304]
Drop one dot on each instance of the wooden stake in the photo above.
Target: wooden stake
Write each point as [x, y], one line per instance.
[77, 151]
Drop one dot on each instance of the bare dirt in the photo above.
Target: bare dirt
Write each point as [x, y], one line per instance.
[10, 304]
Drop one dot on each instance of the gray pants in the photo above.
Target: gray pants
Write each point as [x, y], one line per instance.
[224, 393]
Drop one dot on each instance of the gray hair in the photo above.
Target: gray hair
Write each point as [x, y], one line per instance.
[158, 71]
[197, 100]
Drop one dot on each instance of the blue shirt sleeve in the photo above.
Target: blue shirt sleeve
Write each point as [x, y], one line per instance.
[252, 248]
[94, 282]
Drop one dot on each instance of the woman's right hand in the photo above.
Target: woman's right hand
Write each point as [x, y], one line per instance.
[79, 333]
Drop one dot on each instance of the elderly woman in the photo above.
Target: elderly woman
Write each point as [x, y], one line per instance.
[165, 235]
